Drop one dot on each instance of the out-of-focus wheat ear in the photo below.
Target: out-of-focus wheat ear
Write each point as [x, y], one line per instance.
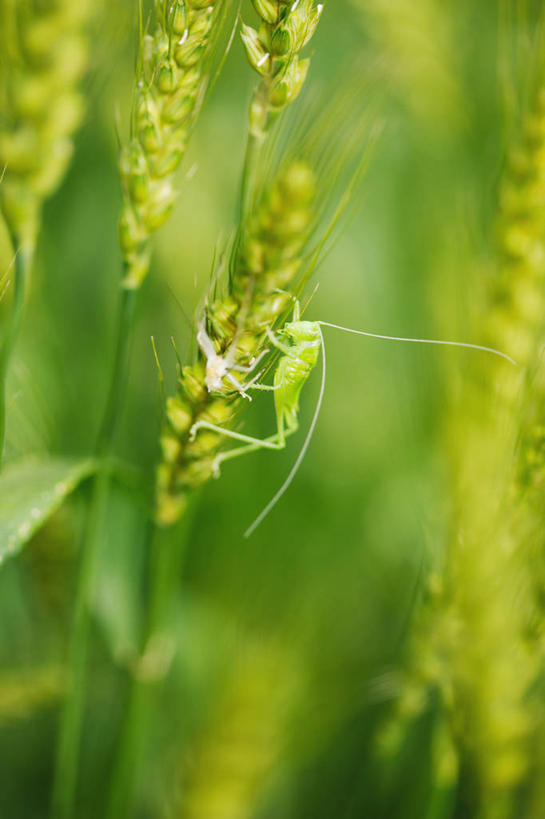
[43, 55]
[45, 52]
[482, 651]
[516, 293]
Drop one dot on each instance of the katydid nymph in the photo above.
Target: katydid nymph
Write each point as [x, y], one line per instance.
[299, 343]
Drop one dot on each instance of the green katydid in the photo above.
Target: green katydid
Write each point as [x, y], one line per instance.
[299, 343]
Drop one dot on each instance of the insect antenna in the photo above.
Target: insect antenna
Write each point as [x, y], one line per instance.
[422, 341]
[295, 468]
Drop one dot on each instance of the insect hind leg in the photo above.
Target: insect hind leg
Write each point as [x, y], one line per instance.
[264, 443]
[273, 442]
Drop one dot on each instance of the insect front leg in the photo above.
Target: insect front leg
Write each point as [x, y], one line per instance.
[253, 364]
[287, 351]
[278, 344]
[250, 385]
[238, 386]
[253, 385]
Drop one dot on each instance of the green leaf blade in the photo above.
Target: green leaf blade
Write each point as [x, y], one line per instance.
[31, 490]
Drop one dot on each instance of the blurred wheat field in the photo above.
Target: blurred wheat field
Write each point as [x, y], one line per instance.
[375, 648]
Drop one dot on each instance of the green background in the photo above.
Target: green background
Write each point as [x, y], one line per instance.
[331, 578]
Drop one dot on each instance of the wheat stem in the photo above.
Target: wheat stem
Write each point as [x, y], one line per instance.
[68, 747]
[137, 710]
[68, 750]
[165, 558]
[120, 370]
[136, 717]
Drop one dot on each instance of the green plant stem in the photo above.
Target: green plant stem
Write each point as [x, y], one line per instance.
[72, 715]
[119, 373]
[167, 548]
[23, 262]
[68, 749]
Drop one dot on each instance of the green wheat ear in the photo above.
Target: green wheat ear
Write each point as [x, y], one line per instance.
[517, 297]
[173, 72]
[269, 258]
[274, 52]
[44, 55]
[480, 640]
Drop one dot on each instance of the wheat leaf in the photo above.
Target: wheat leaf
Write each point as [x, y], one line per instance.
[30, 491]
